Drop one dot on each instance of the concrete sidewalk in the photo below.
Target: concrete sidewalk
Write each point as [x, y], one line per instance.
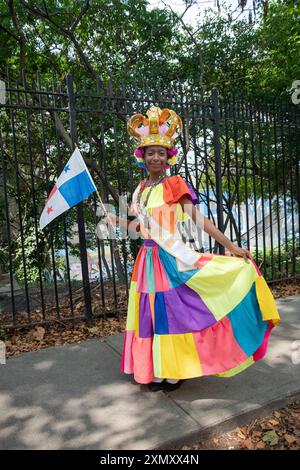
[75, 397]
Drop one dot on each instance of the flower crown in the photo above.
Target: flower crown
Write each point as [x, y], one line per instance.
[160, 128]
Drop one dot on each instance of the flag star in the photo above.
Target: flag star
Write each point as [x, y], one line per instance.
[49, 209]
[67, 168]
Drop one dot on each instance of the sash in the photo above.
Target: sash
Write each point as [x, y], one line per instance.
[185, 256]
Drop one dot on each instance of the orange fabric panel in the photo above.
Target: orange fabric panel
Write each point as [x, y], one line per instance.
[134, 276]
[174, 189]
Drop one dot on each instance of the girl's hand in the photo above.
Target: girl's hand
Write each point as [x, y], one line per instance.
[242, 252]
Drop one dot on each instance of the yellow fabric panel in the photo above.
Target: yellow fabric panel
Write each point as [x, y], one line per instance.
[133, 304]
[266, 301]
[137, 312]
[223, 283]
[156, 356]
[179, 356]
[237, 369]
[181, 216]
[156, 197]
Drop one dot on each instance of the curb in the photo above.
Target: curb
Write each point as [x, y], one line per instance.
[230, 424]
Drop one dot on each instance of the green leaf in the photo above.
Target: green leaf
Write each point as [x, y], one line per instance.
[93, 330]
[270, 437]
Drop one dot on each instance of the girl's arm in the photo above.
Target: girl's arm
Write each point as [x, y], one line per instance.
[116, 220]
[204, 223]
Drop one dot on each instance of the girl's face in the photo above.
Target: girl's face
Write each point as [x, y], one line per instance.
[155, 158]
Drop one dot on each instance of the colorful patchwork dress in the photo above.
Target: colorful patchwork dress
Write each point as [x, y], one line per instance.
[191, 314]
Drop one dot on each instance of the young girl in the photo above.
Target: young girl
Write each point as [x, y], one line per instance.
[190, 314]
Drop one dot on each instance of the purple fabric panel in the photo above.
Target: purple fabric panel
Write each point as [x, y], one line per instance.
[194, 197]
[149, 242]
[145, 319]
[186, 311]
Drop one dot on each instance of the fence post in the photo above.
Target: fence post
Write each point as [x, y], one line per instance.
[217, 152]
[80, 215]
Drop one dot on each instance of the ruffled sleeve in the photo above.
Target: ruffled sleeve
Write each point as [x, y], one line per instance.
[175, 187]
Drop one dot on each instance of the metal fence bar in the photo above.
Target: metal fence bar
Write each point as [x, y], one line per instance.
[80, 215]
[217, 155]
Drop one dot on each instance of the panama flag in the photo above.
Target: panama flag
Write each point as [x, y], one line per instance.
[73, 186]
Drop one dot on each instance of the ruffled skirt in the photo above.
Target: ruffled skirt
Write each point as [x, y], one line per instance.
[211, 320]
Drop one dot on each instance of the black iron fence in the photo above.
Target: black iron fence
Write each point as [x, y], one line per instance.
[241, 157]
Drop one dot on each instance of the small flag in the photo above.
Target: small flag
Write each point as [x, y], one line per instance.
[73, 186]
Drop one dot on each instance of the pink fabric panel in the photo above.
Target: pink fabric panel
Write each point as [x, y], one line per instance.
[261, 351]
[160, 277]
[127, 360]
[218, 349]
[142, 285]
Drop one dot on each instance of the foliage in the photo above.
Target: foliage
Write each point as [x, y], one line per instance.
[275, 262]
[132, 47]
[121, 39]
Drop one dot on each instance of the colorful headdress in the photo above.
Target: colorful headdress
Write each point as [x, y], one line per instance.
[161, 127]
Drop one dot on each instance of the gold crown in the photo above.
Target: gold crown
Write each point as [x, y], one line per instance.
[160, 128]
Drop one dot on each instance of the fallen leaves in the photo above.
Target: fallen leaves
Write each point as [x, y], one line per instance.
[64, 329]
[279, 431]
[274, 422]
[285, 289]
[248, 444]
[260, 445]
[56, 335]
[289, 438]
[94, 330]
[240, 433]
[39, 333]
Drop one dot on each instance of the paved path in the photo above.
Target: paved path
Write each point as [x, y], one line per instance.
[75, 397]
